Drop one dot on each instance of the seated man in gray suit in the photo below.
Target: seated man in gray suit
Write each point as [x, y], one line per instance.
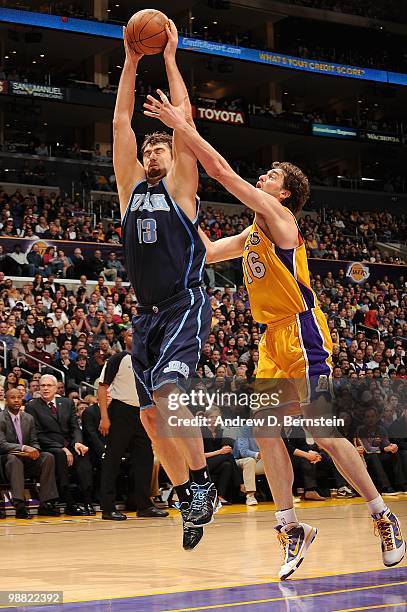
[24, 459]
[59, 433]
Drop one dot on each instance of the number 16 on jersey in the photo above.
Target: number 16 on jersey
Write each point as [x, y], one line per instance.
[253, 267]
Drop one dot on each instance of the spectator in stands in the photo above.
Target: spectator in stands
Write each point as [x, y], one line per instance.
[247, 455]
[114, 267]
[91, 434]
[96, 265]
[79, 266]
[81, 371]
[23, 344]
[38, 355]
[221, 462]
[381, 455]
[34, 259]
[24, 459]
[5, 337]
[24, 267]
[102, 354]
[59, 433]
[64, 362]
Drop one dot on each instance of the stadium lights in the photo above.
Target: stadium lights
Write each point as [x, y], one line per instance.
[34, 61]
[14, 52]
[215, 23]
[364, 178]
[6, 57]
[42, 55]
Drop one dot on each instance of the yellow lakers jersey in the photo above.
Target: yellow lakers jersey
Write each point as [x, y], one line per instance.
[277, 280]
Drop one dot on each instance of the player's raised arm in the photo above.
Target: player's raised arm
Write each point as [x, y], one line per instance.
[224, 248]
[184, 173]
[127, 168]
[284, 230]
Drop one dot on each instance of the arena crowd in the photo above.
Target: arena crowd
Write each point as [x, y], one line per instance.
[46, 323]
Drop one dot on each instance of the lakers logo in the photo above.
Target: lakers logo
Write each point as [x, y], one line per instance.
[254, 238]
[358, 272]
[42, 245]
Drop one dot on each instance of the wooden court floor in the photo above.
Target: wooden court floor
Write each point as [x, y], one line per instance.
[140, 564]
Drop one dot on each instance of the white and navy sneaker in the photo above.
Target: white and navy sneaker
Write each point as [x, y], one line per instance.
[191, 535]
[295, 542]
[203, 505]
[346, 492]
[387, 526]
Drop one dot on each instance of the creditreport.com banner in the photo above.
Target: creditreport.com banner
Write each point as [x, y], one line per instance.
[281, 60]
[109, 30]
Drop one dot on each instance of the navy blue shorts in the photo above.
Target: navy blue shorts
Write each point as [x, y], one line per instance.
[167, 341]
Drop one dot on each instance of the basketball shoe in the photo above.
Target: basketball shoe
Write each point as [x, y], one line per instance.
[203, 505]
[295, 542]
[387, 526]
[192, 535]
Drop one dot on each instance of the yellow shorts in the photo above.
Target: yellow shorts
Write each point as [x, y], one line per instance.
[299, 350]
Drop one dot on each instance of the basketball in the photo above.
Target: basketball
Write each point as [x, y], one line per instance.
[145, 32]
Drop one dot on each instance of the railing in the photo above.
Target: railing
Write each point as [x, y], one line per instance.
[41, 364]
[89, 386]
[4, 355]
[371, 330]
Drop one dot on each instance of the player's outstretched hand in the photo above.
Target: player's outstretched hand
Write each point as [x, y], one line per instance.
[131, 55]
[172, 44]
[172, 116]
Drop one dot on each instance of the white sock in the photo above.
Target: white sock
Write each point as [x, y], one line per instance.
[287, 517]
[377, 505]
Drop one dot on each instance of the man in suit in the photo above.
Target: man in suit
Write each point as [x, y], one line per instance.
[23, 457]
[59, 433]
[92, 437]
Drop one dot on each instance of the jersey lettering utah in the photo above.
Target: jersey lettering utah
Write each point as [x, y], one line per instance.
[145, 201]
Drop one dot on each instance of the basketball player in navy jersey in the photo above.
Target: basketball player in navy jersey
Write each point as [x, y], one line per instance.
[165, 260]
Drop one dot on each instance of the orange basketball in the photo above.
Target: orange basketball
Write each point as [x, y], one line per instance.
[145, 32]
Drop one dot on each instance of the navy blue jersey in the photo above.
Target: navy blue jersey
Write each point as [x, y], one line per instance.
[163, 251]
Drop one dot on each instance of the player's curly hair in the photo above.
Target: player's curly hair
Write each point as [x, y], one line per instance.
[157, 138]
[296, 183]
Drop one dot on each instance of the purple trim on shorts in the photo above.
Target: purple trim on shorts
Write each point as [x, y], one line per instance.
[313, 343]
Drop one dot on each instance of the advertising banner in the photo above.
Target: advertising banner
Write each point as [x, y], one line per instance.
[381, 137]
[109, 30]
[359, 272]
[280, 60]
[219, 115]
[36, 90]
[333, 131]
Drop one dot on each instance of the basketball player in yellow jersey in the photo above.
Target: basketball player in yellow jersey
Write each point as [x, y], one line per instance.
[297, 344]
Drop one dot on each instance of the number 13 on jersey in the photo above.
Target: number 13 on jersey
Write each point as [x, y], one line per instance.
[147, 231]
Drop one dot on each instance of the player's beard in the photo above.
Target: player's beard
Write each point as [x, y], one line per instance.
[155, 173]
